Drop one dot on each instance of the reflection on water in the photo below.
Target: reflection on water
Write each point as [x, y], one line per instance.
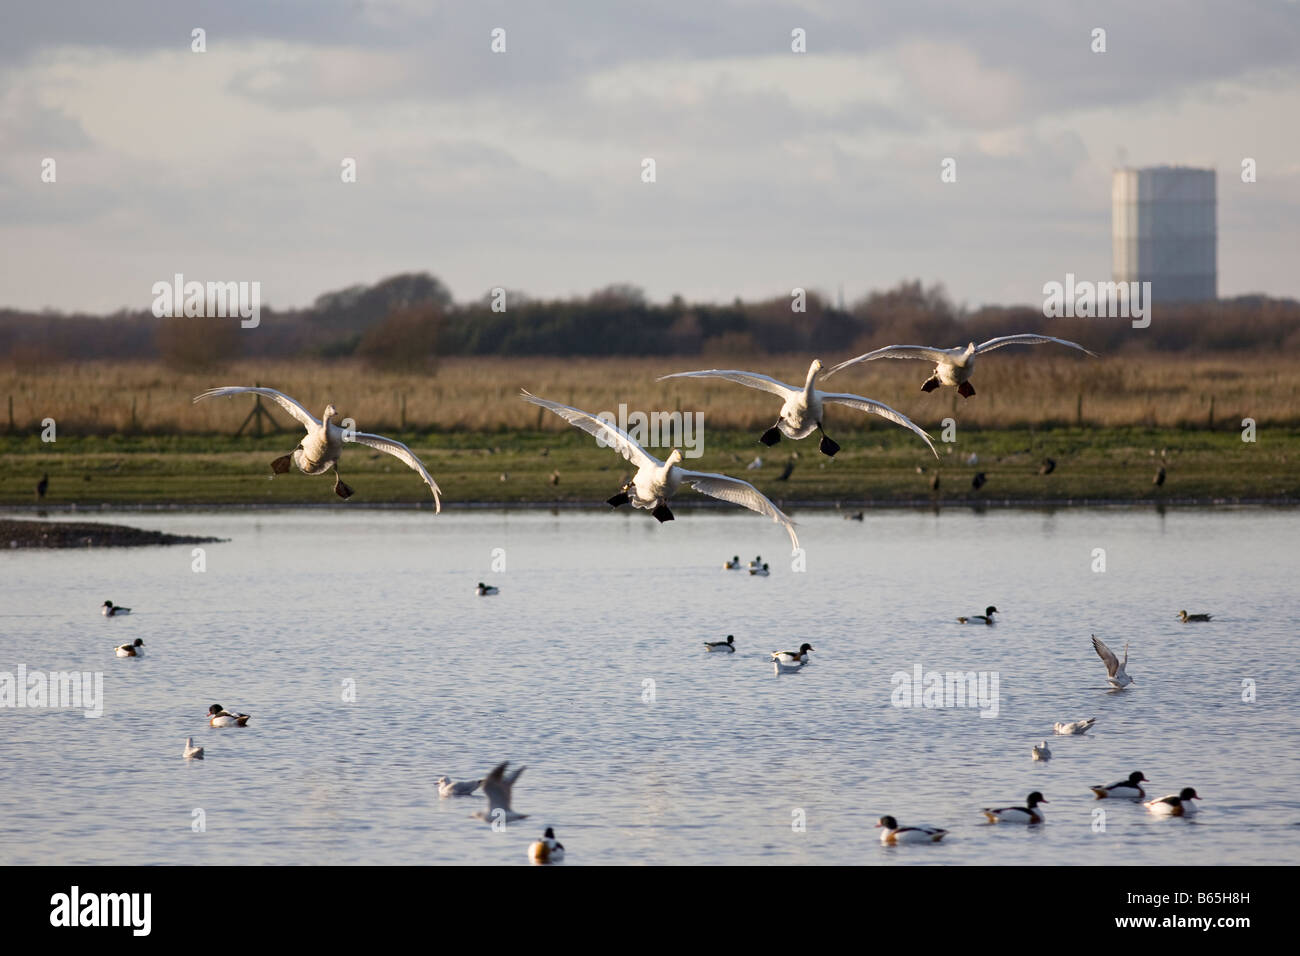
[641, 747]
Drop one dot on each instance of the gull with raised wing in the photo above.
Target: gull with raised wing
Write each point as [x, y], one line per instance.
[803, 406]
[1114, 669]
[497, 787]
[656, 481]
[953, 366]
[320, 451]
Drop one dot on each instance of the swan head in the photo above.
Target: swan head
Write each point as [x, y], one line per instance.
[330, 412]
[674, 457]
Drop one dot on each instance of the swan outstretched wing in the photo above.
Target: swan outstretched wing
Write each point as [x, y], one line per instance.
[611, 434]
[752, 379]
[741, 493]
[399, 451]
[1026, 339]
[926, 352]
[878, 408]
[290, 405]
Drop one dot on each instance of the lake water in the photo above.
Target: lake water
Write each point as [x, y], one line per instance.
[713, 762]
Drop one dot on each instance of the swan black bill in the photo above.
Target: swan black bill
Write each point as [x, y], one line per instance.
[965, 389]
[771, 436]
[662, 513]
[619, 500]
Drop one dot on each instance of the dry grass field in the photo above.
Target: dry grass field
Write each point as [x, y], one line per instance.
[1038, 387]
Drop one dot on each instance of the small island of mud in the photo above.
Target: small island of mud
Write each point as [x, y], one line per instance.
[85, 534]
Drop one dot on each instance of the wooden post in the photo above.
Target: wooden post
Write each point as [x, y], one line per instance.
[1211, 411]
[1078, 411]
[11, 413]
[256, 416]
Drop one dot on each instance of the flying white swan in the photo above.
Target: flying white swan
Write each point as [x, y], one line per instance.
[1114, 669]
[320, 450]
[953, 366]
[656, 481]
[802, 411]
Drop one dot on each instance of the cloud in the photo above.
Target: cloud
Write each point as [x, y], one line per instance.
[523, 168]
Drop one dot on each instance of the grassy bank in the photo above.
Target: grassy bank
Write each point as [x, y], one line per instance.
[558, 464]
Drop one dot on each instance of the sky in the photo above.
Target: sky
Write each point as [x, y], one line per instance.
[524, 169]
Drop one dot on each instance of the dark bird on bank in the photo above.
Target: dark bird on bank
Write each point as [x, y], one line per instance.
[555, 477]
[934, 482]
[42, 486]
[858, 516]
[1047, 467]
[1159, 479]
[787, 471]
[978, 481]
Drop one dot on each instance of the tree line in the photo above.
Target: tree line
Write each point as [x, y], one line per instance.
[411, 320]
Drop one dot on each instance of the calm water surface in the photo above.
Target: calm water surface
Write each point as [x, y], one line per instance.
[712, 762]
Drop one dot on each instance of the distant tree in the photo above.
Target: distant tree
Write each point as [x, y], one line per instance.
[406, 340]
[195, 343]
